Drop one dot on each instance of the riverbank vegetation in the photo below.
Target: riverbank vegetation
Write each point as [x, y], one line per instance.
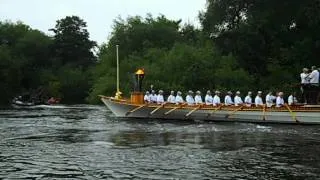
[241, 45]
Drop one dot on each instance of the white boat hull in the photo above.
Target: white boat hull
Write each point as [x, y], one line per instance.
[123, 110]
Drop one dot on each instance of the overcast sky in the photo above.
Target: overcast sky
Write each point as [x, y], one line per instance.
[99, 14]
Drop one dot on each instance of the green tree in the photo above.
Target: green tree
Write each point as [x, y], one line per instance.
[72, 45]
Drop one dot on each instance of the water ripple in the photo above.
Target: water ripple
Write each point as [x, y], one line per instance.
[88, 142]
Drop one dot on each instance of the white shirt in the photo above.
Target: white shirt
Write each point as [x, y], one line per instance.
[258, 101]
[304, 78]
[198, 99]
[171, 99]
[248, 101]
[146, 98]
[228, 100]
[216, 100]
[292, 100]
[237, 100]
[179, 99]
[160, 99]
[208, 99]
[190, 100]
[314, 76]
[269, 100]
[279, 101]
[153, 97]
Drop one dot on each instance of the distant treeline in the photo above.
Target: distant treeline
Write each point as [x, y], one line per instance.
[242, 45]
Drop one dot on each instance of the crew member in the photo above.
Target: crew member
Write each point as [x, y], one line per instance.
[269, 99]
[237, 99]
[258, 100]
[280, 101]
[189, 98]
[171, 98]
[216, 99]
[160, 99]
[227, 99]
[248, 99]
[198, 98]
[292, 99]
[153, 96]
[179, 99]
[208, 99]
[314, 85]
[147, 98]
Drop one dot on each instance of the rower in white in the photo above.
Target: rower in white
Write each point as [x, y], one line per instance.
[208, 98]
[248, 99]
[270, 99]
[189, 98]
[227, 99]
[216, 99]
[160, 99]
[171, 98]
[146, 97]
[153, 96]
[237, 99]
[292, 100]
[179, 99]
[258, 100]
[198, 98]
[280, 101]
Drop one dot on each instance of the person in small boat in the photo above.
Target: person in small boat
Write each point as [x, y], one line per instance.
[198, 98]
[160, 99]
[248, 99]
[171, 98]
[216, 99]
[292, 100]
[270, 98]
[208, 98]
[179, 99]
[280, 101]
[258, 100]
[227, 99]
[237, 99]
[147, 97]
[189, 98]
[153, 96]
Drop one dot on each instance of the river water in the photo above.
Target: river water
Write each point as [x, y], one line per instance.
[88, 142]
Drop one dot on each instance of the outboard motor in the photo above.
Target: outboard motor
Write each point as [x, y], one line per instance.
[137, 94]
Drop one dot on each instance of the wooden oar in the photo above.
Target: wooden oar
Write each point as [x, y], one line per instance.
[215, 110]
[264, 112]
[233, 112]
[173, 109]
[193, 110]
[135, 109]
[168, 112]
[156, 109]
[293, 115]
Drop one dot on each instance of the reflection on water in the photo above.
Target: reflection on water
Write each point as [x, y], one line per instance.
[87, 142]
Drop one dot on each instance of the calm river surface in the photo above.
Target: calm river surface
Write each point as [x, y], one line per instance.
[88, 142]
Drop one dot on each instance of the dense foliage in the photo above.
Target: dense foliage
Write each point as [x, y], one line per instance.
[242, 45]
[35, 64]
